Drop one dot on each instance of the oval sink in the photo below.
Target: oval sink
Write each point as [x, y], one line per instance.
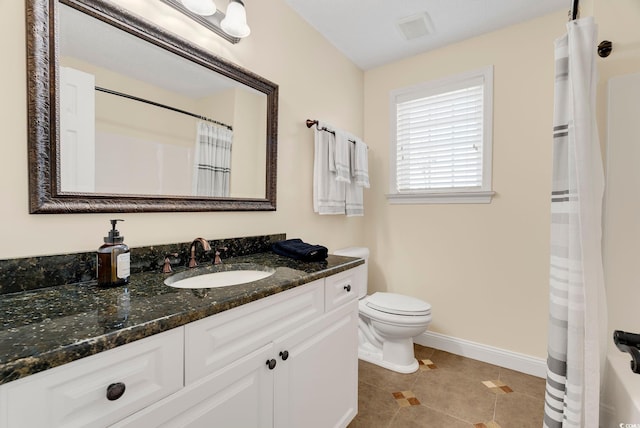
[218, 279]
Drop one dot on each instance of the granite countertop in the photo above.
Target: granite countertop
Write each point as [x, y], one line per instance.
[45, 328]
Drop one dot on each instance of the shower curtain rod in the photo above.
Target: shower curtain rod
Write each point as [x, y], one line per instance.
[153, 103]
[311, 122]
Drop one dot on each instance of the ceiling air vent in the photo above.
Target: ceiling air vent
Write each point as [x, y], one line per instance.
[415, 26]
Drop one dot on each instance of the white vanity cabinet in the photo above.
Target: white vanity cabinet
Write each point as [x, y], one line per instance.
[287, 361]
[86, 393]
[283, 361]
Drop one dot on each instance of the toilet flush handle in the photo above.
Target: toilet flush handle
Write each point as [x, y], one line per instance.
[347, 287]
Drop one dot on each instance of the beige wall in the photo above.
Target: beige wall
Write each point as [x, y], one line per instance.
[248, 150]
[315, 82]
[119, 115]
[133, 140]
[483, 267]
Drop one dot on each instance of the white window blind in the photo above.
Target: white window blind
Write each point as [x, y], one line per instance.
[440, 141]
[441, 137]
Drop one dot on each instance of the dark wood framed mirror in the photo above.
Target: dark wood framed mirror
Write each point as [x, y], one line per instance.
[131, 187]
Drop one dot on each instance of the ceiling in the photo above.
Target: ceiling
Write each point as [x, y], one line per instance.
[367, 33]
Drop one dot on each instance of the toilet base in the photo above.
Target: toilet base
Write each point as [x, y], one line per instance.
[373, 355]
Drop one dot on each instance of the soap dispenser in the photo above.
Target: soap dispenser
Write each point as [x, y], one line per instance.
[113, 259]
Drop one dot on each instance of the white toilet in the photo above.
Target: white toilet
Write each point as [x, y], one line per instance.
[388, 323]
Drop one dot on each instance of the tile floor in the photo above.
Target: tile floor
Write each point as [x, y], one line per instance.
[449, 391]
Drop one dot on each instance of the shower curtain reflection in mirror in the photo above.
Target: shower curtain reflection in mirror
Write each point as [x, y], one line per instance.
[212, 166]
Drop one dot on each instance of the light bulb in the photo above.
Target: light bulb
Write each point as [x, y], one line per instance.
[200, 7]
[235, 22]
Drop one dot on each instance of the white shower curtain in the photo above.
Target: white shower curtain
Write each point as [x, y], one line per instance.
[212, 160]
[577, 307]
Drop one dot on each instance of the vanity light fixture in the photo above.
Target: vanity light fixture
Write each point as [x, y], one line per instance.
[231, 27]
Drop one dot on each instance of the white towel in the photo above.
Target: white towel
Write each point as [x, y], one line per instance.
[360, 164]
[342, 156]
[328, 193]
[359, 170]
[354, 204]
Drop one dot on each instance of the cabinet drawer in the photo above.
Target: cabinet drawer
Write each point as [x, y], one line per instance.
[74, 395]
[343, 287]
[239, 396]
[214, 342]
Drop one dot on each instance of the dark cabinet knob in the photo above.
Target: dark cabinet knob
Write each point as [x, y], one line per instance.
[115, 391]
[271, 363]
[347, 287]
[284, 355]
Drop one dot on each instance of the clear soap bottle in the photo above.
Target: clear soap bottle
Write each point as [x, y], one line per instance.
[113, 266]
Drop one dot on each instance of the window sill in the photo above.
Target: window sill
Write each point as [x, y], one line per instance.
[480, 197]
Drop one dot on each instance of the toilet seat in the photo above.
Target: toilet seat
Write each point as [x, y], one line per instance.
[398, 304]
[419, 317]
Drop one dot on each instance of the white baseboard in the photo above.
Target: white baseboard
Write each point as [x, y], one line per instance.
[488, 354]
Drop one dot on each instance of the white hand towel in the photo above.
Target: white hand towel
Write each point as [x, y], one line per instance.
[354, 205]
[354, 194]
[360, 164]
[328, 193]
[342, 156]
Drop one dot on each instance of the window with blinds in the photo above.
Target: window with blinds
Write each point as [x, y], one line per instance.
[442, 133]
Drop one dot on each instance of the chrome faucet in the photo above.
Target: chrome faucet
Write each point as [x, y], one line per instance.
[205, 246]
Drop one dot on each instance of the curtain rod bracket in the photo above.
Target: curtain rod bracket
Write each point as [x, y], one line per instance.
[605, 48]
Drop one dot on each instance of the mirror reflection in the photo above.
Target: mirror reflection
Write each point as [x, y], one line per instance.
[136, 119]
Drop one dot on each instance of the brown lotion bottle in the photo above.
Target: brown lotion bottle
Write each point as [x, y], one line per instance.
[113, 259]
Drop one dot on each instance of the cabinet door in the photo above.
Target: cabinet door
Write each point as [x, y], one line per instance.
[239, 395]
[317, 385]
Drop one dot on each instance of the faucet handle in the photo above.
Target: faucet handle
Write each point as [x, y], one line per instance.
[629, 342]
[217, 260]
[166, 268]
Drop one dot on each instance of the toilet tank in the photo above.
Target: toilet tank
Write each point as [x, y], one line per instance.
[363, 253]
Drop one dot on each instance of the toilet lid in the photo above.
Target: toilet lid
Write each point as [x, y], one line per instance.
[398, 304]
